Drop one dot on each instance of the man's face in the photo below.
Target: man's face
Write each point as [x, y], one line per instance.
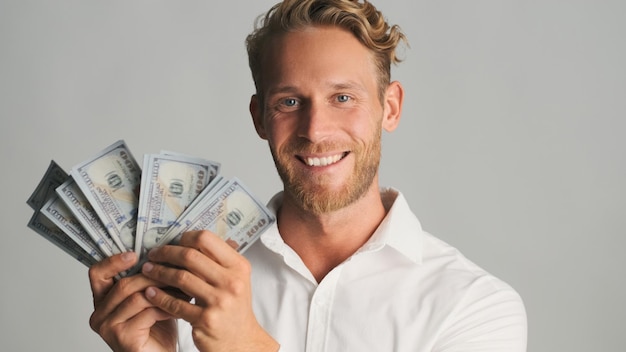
[322, 115]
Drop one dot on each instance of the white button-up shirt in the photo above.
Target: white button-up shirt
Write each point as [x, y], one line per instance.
[404, 290]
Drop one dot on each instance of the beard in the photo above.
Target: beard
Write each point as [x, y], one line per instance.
[313, 192]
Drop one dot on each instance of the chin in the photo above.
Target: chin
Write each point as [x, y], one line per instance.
[321, 199]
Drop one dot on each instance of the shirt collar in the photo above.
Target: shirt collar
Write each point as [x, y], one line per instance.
[400, 228]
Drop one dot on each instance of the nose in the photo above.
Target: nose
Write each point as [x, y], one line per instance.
[316, 123]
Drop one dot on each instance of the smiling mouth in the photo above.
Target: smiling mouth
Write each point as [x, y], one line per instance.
[323, 161]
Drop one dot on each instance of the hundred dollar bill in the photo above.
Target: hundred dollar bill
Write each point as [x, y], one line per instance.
[53, 177]
[62, 217]
[48, 230]
[169, 183]
[77, 203]
[110, 181]
[218, 183]
[232, 213]
[206, 194]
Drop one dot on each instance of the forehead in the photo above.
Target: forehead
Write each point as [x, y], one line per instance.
[316, 53]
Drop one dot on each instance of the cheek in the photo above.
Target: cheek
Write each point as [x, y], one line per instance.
[278, 134]
[364, 128]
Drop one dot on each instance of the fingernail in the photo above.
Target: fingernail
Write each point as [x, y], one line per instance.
[150, 292]
[147, 267]
[152, 252]
[128, 256]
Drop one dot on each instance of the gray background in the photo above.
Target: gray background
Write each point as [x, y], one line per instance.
[511, 145]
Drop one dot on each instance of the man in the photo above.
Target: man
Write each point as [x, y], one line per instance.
[347, 266]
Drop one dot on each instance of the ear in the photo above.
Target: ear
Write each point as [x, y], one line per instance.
[256, 110]
[393, 106]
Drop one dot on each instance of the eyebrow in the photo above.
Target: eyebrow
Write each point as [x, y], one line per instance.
[282, 89]
[347, 85]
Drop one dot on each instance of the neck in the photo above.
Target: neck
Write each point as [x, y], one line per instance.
[324, 241]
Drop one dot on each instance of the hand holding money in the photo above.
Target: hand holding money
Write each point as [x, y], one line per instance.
[122, 315]
[208, 269]
[107, 205]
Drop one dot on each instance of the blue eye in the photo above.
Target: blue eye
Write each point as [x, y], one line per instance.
[290, 102]
[342, 98]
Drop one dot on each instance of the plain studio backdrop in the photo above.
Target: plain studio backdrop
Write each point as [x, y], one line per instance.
[511, 145]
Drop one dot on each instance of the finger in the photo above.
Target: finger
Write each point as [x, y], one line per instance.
[102, 274]
[136, 309]
[132, 307]
[190, 284]
[211, 245]
[122, 312]
[118, 294]
[176, 292]
[144, 320]
[190, 259]
[175, 307]
[147, 318]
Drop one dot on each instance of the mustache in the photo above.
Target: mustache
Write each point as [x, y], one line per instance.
[303, 146]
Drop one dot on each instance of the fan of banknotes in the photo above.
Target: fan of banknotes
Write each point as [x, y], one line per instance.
[107, 205]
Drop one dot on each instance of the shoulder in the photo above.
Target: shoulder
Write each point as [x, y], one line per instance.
[474, 310]
[452, 269]
[486, 311]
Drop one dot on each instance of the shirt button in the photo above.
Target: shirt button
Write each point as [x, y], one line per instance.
[320, 302]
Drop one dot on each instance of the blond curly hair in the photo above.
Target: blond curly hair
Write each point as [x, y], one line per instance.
[360, 18]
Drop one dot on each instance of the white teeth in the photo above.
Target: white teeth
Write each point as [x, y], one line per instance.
[324, 161]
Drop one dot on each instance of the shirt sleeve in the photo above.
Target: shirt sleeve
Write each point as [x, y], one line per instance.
[489, 318]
